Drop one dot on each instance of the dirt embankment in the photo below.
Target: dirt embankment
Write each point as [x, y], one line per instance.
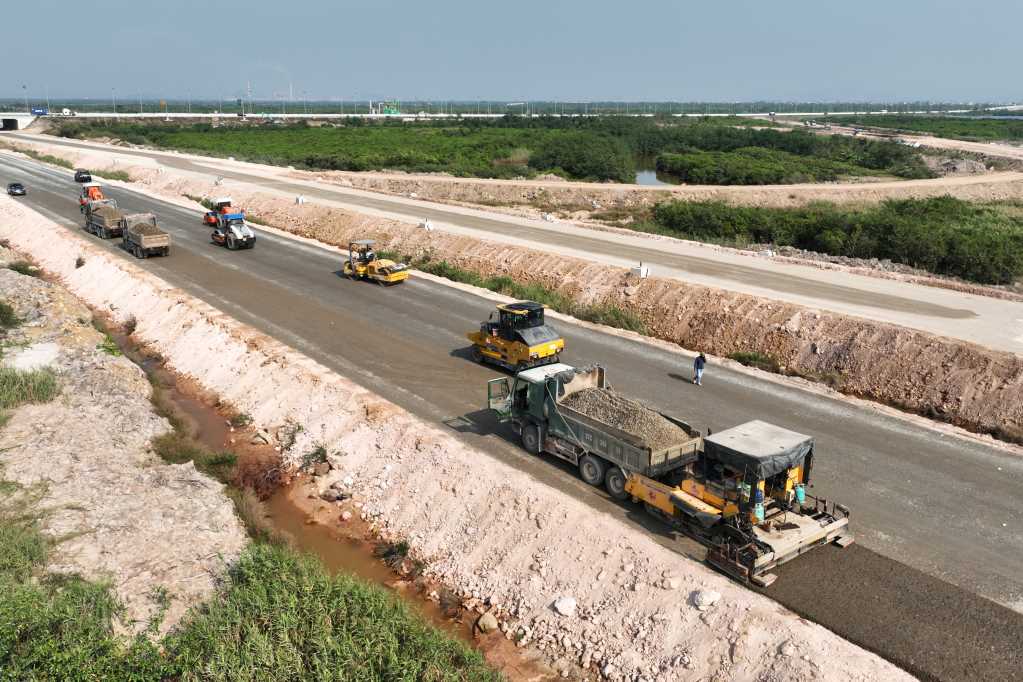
[580, 196]
[583, 588]
[125, 515]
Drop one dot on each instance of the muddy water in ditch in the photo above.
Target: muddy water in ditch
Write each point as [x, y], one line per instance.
[339, 552]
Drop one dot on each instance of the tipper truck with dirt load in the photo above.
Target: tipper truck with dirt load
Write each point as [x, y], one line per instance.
[103, 218]
[741, 492]
[142, 236]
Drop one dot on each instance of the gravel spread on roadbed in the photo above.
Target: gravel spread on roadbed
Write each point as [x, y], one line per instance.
[630, 416]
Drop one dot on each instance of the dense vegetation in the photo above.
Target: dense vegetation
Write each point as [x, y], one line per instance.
[981, 129]
[982, 243]
[752, 166]
[577, 148]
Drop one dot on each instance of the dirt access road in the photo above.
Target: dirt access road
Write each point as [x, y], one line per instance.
[990, 322]
[941, 549]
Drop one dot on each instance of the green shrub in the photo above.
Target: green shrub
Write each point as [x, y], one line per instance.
[8, 318]
[756, 359]
[23, 267]
[109, 346]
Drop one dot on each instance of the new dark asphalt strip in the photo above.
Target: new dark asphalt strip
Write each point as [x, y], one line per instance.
[932, 507]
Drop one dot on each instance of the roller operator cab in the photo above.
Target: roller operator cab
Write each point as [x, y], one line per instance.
[745, 495]
[221, 206]
[232, 231]
[363, 263]
[517, 339]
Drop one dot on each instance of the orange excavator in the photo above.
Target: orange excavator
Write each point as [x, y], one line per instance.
[91, 191]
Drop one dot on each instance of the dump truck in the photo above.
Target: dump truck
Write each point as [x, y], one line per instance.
[741, 492]
[566, 412]
[103, 218]
[518, 339]
[142, 236]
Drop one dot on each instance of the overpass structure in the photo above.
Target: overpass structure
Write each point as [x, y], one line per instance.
[16, 121]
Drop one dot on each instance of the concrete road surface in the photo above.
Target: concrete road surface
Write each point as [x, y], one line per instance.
[938, 519]
[986, 321]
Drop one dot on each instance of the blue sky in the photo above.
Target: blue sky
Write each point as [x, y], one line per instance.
[526, 49]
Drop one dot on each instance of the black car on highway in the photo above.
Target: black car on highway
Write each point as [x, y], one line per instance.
[16, 189]
[82, 175]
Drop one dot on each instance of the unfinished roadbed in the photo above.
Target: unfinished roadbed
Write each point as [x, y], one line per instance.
[945, 379]
[627, 606]
[150, 528]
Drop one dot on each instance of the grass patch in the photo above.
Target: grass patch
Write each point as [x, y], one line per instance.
[8, 318]
[756, 359]
[20, 387]
[109, 346]
[178, 448]
[123, 176]
[317, 456]
[944, 235]
[23, 267]
[240, 420]
[45, 158]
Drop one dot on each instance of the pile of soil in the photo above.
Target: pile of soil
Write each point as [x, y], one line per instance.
[146, 229]
[106, 211]
[630, 416]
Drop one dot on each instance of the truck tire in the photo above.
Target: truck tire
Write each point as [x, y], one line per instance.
[592, 469]
[614, 483]
[531, 438]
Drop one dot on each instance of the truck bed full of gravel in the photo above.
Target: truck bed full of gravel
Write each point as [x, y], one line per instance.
[630, 416]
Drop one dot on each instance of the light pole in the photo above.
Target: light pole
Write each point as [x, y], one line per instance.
[113, 101]
[25, 90]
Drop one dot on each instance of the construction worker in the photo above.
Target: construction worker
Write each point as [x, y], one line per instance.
[698, 364]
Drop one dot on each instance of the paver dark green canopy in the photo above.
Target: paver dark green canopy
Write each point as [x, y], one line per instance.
[757, 448]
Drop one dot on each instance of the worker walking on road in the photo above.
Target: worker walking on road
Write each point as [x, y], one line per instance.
[698, 365]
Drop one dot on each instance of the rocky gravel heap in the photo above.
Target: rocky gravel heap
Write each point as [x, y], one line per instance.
[630, 416]
[124, 514]
[146, 229]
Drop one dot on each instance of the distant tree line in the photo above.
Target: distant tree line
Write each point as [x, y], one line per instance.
[944, 235]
